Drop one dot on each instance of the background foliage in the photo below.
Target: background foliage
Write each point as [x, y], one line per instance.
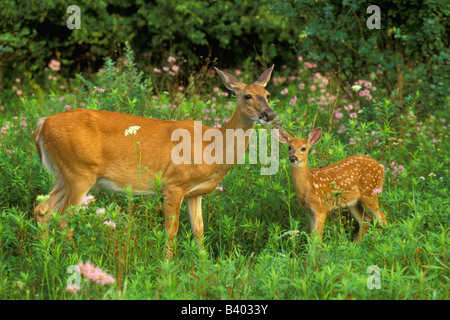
[412, 45]
[382, 93]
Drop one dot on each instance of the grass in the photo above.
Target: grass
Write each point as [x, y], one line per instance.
[257, 244]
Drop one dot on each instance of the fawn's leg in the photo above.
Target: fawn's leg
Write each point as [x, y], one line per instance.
[371, 203]
[317, 219]
[363, 219]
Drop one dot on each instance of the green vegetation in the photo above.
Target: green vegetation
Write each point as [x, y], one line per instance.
[384, 93]
[257, 244]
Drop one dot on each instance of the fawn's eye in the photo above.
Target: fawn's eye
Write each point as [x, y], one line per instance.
[268, 97]
[289, 148]
[248, 96]
[303, 149]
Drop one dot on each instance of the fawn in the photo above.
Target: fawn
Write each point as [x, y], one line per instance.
[352, 183]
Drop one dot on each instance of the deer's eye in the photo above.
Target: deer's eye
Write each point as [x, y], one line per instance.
[248, 96]
[303, 149]
[289, 148]
[268, 97]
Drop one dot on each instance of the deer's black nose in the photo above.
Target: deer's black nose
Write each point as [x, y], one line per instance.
[293, 158]
[268, 114]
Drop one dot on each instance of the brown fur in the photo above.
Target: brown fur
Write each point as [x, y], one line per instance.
[86, 148]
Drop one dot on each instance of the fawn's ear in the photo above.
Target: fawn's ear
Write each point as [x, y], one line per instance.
[282, 135]
[264, 77]
[314, 136]
[228, 80]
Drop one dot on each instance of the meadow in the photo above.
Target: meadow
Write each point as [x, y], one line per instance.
[257, 243]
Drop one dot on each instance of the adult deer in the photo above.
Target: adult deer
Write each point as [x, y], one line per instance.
[87, 148]
[353, 183]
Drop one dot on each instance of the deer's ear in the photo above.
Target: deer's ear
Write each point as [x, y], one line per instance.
[314, 136]
[228, 80]
[281, 134]
[265, 77]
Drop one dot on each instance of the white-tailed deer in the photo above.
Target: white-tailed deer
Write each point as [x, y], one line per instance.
[87, 148]
[353, 183]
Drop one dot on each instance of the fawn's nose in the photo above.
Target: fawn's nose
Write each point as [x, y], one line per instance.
[268, 114]
[293, 159]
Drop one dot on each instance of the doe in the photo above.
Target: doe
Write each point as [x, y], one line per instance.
[90, 148]
[352, 183]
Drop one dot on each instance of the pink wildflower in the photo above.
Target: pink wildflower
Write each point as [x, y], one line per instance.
[87, 199]
[72, 288]
[376, 191]
[284, 91]
[4, 129]
[171, 59]
[353, 115]
[95, 274]
[293, 101]
[54, 65]
[110, 223]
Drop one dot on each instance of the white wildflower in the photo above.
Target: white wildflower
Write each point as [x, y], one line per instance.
[291, 234]
[42, 198]
[132, 130]
[356, 87]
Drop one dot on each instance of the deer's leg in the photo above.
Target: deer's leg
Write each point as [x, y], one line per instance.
[172, 203]
[363, 219]
[53, 203]
[317, 219]
[77, 186]
[194, 209]
[371, 203]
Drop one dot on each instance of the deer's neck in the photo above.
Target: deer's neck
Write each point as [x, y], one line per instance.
[302, 179]
[239, 121]
[236, 135]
